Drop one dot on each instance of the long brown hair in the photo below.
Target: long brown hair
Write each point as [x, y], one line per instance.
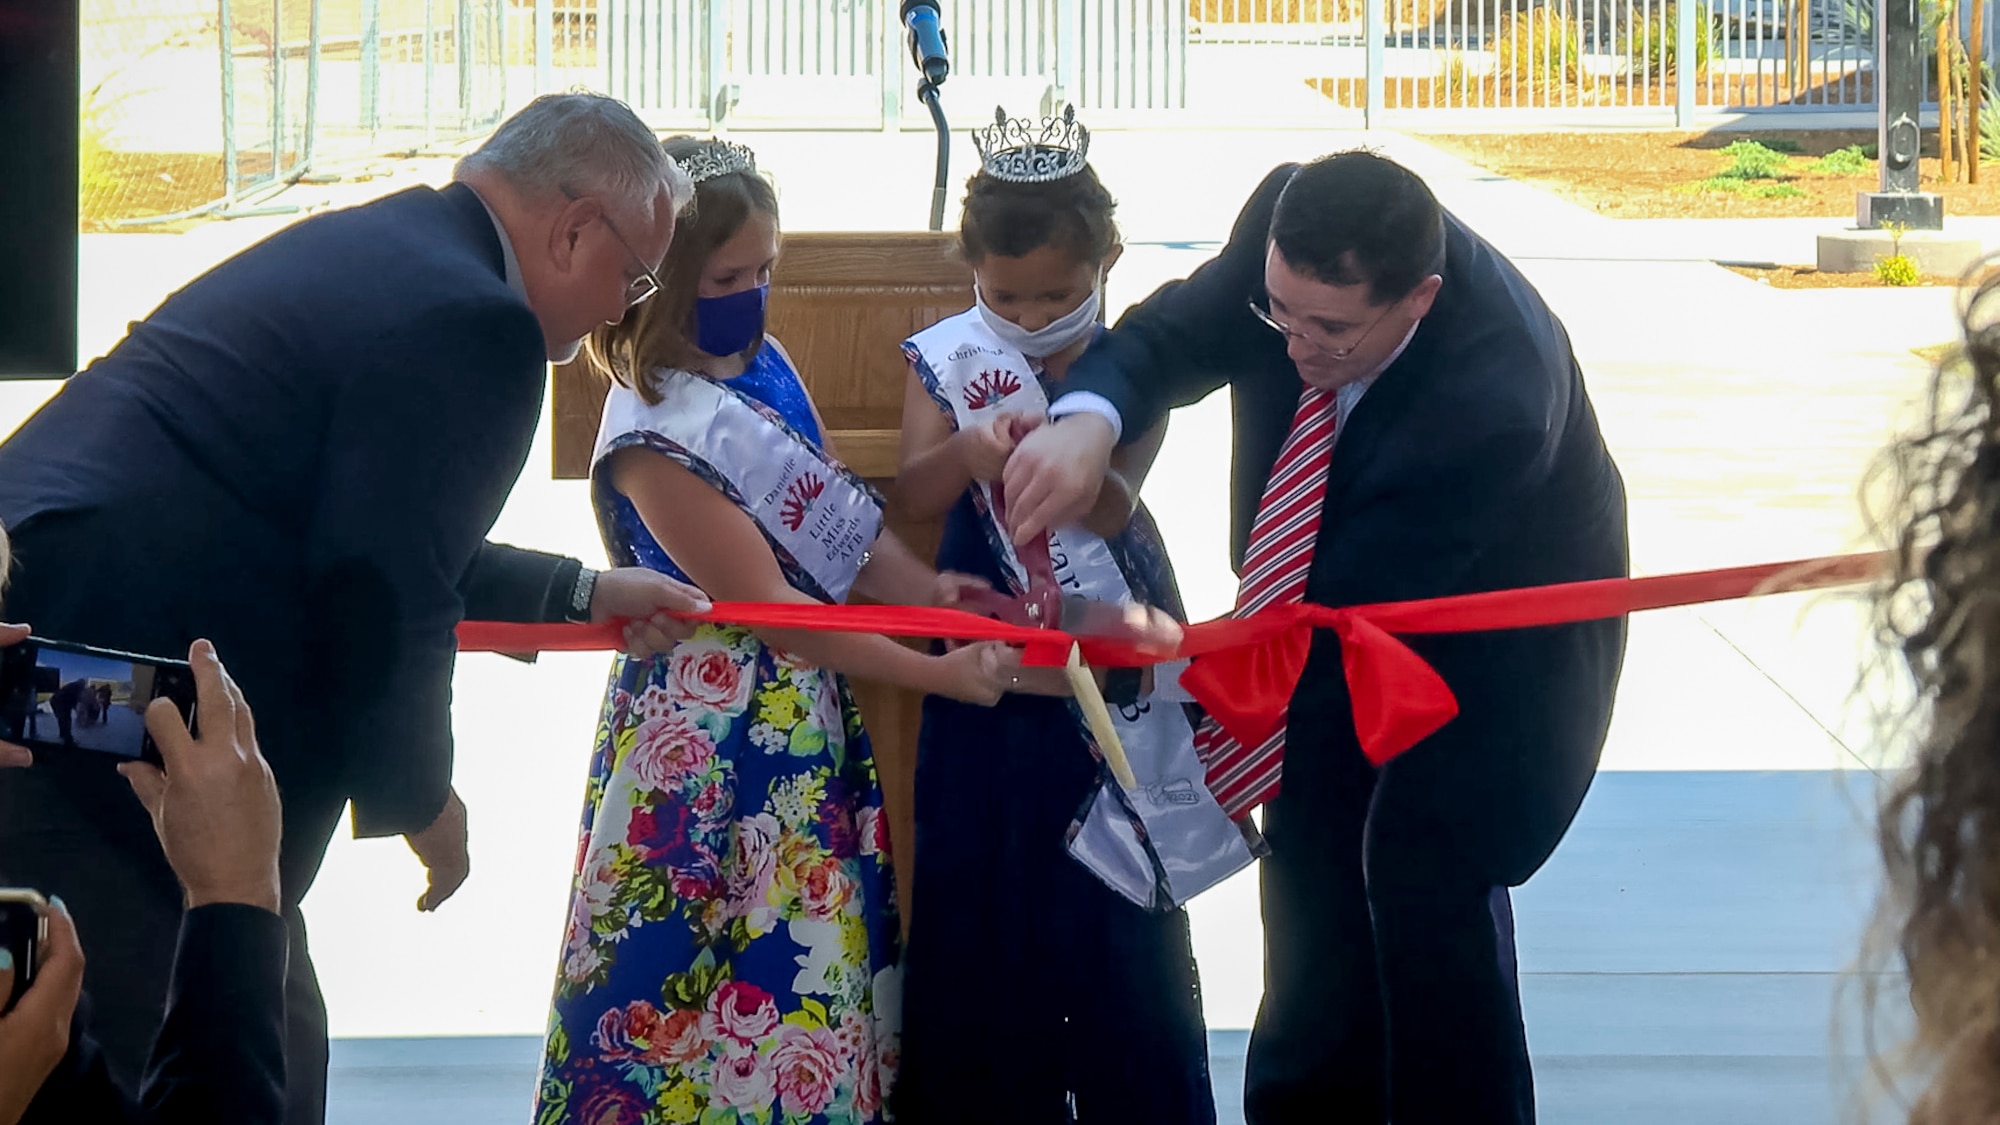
[660, 333]
[1938, 621]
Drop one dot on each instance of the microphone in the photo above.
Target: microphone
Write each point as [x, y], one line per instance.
[927, 45]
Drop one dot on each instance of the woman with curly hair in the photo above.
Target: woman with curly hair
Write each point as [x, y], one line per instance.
[1938, 616]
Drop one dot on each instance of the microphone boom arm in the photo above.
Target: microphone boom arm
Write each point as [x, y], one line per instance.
[929, 93]
[928, 50]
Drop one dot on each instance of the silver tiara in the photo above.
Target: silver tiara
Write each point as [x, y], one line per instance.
[1019, 152]
[718, 158]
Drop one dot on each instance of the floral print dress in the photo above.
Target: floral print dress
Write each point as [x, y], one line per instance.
[730, 954]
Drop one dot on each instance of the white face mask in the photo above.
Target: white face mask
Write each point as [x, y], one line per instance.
[566, 353]
[1075, 325]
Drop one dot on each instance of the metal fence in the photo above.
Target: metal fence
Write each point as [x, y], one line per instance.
[268, 80]
[144, 146]
[203, 106]
[398, 75]
[1132, 54]
[838, 63]
[1399, 55]
[191, 104]
[752, 64]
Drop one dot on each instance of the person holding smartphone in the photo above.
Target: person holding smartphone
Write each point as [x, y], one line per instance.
[220, 1054]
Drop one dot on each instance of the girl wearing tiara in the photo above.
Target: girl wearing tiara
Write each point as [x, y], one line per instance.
[731, 947]
[1027, 978]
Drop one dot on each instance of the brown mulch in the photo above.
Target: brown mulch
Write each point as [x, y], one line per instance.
[1652, 175]
[1806, 277]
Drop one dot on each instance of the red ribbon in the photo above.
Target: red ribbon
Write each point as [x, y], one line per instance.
[1248, 668]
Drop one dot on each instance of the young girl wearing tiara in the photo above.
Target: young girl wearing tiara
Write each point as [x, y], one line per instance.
[1028, 978]
[731, 951]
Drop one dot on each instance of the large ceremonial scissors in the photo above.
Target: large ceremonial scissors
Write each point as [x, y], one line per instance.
[1045, 606]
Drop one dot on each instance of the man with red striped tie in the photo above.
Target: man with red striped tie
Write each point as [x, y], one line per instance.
[1410, 422]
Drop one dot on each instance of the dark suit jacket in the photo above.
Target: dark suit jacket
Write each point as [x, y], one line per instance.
[1473, 463]
[298, 456]
[220, 1055]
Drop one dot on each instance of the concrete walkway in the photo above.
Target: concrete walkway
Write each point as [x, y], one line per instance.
[1665, 979]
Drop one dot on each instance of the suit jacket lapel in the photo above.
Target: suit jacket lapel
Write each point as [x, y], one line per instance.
[1379, 411]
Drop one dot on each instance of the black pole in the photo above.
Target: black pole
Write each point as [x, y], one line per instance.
[1899, 85]
[929, 93]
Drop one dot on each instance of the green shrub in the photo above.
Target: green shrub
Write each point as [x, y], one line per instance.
[1754, 189]
[1751, 160]
[1849, 161]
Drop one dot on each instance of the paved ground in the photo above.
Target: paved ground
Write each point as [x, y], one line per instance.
[1682, 945]
[1666, 978]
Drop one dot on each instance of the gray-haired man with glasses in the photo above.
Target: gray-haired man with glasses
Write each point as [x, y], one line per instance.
[298, 456]
[1409, 423]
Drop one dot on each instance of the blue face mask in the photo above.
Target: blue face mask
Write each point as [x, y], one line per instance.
[729, 325]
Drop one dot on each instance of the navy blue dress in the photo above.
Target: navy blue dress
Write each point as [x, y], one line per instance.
[1026, 980]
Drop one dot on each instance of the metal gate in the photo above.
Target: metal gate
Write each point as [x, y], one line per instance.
[842, 63]
[1129, 54]
[792, 62]
[657, 55]
[1365, 58]
[295, 85]
[394, 75]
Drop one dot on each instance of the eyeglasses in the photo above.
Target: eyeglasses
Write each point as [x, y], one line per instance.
[647, 283]
[1312, 341]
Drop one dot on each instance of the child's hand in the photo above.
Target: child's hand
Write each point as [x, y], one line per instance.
[984, 448]
[980, 673]
[950, 588]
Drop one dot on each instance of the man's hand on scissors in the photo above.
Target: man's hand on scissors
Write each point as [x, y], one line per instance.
[1144, 627]
[1054, 474]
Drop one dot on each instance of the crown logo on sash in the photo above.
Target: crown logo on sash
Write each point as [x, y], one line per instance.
[990, 387]
[718, 158]
[1020, 151]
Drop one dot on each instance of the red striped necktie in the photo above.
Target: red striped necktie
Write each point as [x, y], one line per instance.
[1274, 573]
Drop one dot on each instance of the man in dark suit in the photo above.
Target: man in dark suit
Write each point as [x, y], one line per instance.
[1465, 456]
[63, 705]
[298, 455]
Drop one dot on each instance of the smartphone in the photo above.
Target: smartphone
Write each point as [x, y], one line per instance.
[24, 926]
[58, 697]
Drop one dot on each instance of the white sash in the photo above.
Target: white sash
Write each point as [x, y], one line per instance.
[1188, 843]
[815, 513]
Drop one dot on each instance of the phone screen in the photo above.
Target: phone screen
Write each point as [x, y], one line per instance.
[22, 929]
[61, 697]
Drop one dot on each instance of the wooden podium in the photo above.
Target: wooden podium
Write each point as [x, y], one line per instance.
[842, 304]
